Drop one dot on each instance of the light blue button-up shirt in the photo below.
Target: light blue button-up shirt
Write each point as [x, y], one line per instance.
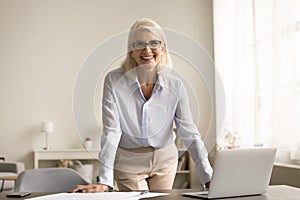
[131, 121]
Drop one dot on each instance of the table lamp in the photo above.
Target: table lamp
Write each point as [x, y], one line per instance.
[47, 127]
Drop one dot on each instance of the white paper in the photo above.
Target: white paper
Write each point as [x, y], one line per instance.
[99, 196]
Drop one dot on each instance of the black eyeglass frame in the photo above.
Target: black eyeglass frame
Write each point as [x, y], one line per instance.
[143, 44]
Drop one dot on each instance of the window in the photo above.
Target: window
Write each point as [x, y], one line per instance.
[256, 45]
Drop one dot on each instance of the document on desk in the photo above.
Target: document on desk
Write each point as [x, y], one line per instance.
[99, 196]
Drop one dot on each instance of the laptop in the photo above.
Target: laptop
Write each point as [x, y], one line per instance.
[239, 172]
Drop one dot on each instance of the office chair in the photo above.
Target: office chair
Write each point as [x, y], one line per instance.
[48, 180]
[8, 172]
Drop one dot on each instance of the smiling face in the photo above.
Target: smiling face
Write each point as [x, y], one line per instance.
[147, 48]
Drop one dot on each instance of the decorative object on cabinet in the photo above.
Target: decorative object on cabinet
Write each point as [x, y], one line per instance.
[47, 128]
[88, 143]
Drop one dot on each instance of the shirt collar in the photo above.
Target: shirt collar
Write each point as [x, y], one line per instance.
[133, 79]
[161, 81]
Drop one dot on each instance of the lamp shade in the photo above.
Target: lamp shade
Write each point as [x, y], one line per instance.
[47, 126]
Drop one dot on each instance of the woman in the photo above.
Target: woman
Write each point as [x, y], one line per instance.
[141, 102]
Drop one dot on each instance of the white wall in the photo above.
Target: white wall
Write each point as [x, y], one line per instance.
[43, 44]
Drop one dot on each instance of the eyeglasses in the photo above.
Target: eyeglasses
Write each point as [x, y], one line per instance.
[152, 44]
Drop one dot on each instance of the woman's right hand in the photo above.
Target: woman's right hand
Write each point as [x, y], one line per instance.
[91, 188]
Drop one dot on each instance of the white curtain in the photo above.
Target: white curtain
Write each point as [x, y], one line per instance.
[256, 47]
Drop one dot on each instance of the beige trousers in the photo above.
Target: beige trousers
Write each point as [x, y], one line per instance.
[146, 168]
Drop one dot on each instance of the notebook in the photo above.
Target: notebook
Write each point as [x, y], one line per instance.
[239, 172]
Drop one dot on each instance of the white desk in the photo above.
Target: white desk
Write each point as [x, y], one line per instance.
[64, 154]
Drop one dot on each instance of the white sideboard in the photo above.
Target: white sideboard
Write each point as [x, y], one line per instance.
[64, 154]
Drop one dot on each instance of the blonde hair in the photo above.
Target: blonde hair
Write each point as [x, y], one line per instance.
[151, 26]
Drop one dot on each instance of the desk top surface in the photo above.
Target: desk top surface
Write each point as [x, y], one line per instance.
[280, 192]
